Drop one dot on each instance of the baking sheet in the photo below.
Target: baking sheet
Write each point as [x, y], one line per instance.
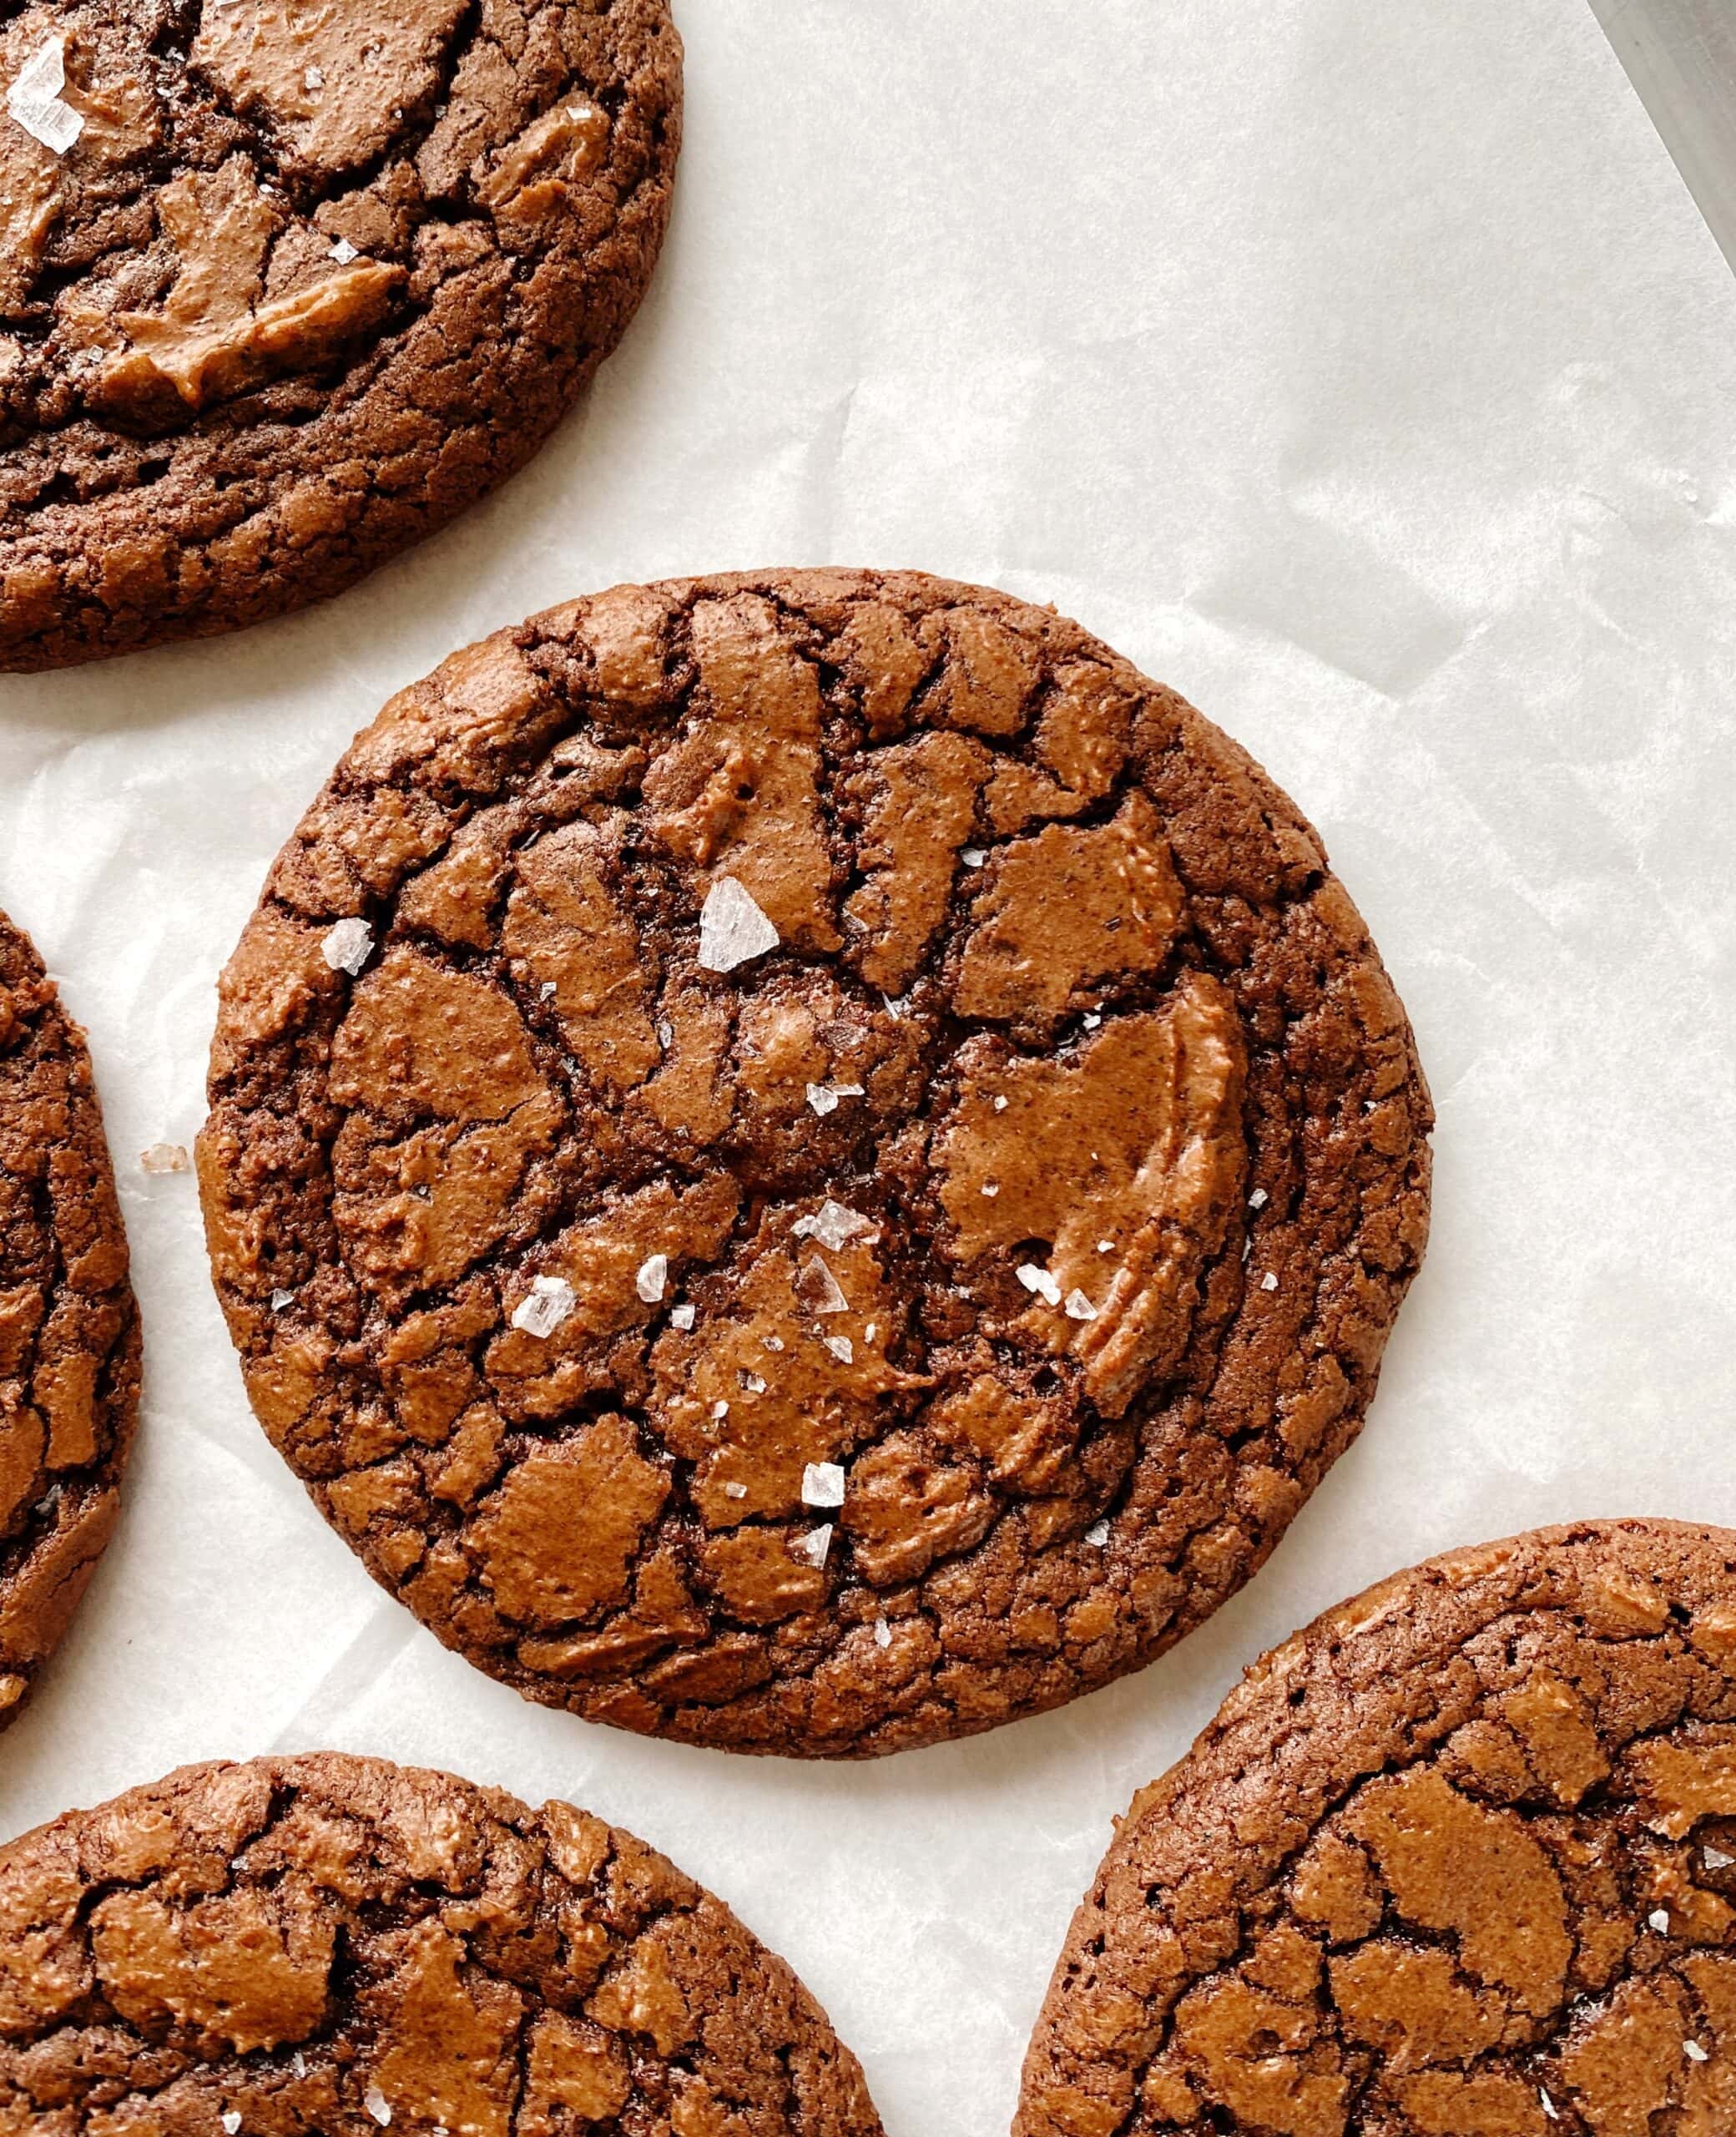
[1367, 373]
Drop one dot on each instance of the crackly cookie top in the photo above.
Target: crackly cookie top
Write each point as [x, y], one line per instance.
[328, 1945]
[283, 282]
[68, 1327]
[809, 1163]
[1458, 1861]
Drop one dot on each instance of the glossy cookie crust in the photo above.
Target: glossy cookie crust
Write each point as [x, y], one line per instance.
[1457, 1861]
[808, 1162]
[322, 1946]
[286, 283]
[68, 1325]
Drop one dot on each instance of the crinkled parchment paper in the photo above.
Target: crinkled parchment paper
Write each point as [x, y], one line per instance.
[1365, 371]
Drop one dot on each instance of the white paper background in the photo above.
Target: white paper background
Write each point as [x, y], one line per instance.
[1362, 370]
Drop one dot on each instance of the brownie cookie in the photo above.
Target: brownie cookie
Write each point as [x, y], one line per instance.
[286, 283]
[68, 1327]
[326, 1947]
[1458, 1861]
[808, 1162]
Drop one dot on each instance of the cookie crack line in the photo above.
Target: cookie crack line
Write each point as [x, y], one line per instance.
[297, 291]
[740, 1134]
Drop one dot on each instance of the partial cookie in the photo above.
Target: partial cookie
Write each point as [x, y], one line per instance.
[810, 1162]
[326, 1945]
[285, 285]
[68, 1327]
[1458, 1861]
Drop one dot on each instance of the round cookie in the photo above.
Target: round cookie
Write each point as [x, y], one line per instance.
[810, 1162]
[284, 286]
[68, 1327]
[1458, 1861]
[328, 1946]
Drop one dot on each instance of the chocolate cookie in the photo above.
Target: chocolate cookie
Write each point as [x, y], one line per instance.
[68, 1327]
[286, 283]
[809, 1162]
[1458, 1861]
[318, 1946]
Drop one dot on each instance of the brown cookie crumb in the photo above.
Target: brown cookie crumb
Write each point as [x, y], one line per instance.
[284, 287]
[68, 1327]
[1458, 1861]
[726, 1033]
[336, 1944]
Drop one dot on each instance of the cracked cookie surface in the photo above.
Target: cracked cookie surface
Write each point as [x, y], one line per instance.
[68, 1327]
[326, 1946]
[808, 1163]
[1457, 1861]
[286, 283]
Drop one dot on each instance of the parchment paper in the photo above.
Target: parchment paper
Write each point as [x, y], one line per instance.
[1365, 371]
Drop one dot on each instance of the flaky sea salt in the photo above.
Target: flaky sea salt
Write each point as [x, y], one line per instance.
[280, 1299]
[681, 1317]
[1106, 1246]
[348, 945]
[1694, 2052]
[719, 1411]
[820, 1289]
[752, 1383]
[1659, 1919]
[1715, 1858]
[34, 98]
[1093, 1021]
[230, 2118]
[735, 1491]
[1097, 1535]
[841, 1348]
[823, 1484]
[1268, 1282]
[882, 1633]
[666, 1034]
[823, 1097]
[991, 1189]
[298, 2063]
[1039, 1282]
[377, 2105]
[896, 1008]
[732, 927]
[164, 1157]
[812, 1548]
[544, 1306]
[834, 1227]
[1258, 1199]
[314, 78]
[1078, 1307]
[1000, 1105]
[545, 990]
[1549, 2106]
[654, 1273]
[772, 1343]
[973, 857]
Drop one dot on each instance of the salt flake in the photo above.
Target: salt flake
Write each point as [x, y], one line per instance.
[547, 988]
[1078, 1307]
[1038, 1280]
[973, 857]
[348, 945]
[732, 927]
[230, 2118]
[841, 1348]
[1000, 1105]
[1097, 1535]
[280, 1299]
[377, 2105]
[991, 1189]
[882, 1633]
[735, 1491]
[815, 1548]
[654, 1273]
[34, 98]
[681, 1317]
[1659, 1918]
[822, 1101]
[835, 1227]
[820, 1289]
[298, 2063]
[1715, 1858]
[163, 1157]
[544, 1307]
[1268, 1282]
[719, 1411]
[1093, 1021]
[1549, 2106]
[823, 1484]
[313, 78]
[772, 1343]
[1106, 1246]
[1694, 2052]
[1258, 1199]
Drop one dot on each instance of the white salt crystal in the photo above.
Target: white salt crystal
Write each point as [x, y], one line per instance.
[732, 927]
[545, 1306]
[1549, 2107]
[377, 2105]
[822, 1101]
[34, 98]
[896, 1009]
[298, 2063]
[280, 1299]
[820, 1289]
[841, 1348]
[163, 1157]
[973, 857]
[1000, 1105]
[313, 78]
[814, 1548]
[752, 1383]
[1093, 1021]
[735, 1491]
[772, 1343]
[1038, 1280]
[882, 1633]
[1268, 1282]
[1097, 1534]
[230, 2118]
[547, 986]
[1106, 1246]
[834, 1226]
[1715, 1858]
[991, 1189]
[348, 945]
[654, 1273]
[1078, 1307]
[1659, 1919]
[1258, 1199]
[719, 1411]
[823, 1484]
[666, 1033]
[1694, 2052]
[681, 1317]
